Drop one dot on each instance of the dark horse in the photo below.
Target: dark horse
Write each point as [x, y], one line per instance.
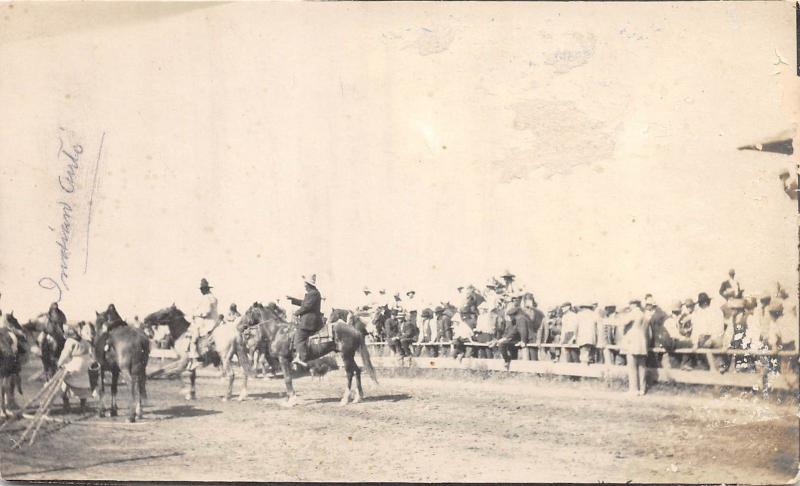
[51, 343]
[175, 320]
[279, 335]
[13, 353]
[171, 317]
[120, 348]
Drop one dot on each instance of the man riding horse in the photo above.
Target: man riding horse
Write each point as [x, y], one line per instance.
[204, 319]
[310, 319]
[51, 340]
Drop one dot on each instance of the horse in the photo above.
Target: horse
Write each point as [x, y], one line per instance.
[170, 316]
[228, 341]
[279, 335]
[13, 354]
[120, 348]
[51, 343]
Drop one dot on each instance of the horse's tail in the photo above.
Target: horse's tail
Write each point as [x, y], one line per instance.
[143, 376]
[244, 359]
[362, 347]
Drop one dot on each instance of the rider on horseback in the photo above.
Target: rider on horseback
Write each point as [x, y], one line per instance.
[204, 320]
[55, 325]
[310, 319]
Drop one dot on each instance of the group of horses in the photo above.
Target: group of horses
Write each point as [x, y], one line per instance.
[121, 349]
[272, 334]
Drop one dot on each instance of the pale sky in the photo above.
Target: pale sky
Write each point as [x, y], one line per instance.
[589, 148]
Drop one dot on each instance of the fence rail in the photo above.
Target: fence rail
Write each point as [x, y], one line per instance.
[786, 379]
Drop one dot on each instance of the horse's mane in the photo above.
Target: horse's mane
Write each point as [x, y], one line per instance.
[163, 315]
[172, 317]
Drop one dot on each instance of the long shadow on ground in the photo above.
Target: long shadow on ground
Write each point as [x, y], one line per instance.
[378, 398]
[181, 411]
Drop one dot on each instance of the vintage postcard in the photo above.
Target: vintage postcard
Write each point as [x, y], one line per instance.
[399, 241]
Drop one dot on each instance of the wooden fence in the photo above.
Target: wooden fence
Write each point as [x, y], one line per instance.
[786, 379]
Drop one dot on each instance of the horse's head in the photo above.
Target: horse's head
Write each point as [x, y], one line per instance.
[338, 314]
[163, 316]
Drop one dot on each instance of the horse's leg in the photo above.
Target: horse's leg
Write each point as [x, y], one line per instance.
[14, 384]
[359, 390]
[286, 368]
[227, 371]
[243, 392]
[3, 385]
[101, 394]
[114, 383]
[133, 384]
[65, 401]
[348, 366]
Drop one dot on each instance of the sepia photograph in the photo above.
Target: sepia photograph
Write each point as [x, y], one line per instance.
[541, 242]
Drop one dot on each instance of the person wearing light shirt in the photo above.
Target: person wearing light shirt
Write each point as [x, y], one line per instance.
[485, 328]
[569, 327]
[708, 325]
[708, 328]
[462, 334]
[586, 332]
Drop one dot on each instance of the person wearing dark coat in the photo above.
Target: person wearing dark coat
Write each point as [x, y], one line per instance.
[310, 319]
[391, 329]
[444, 325]
[512, 335]
[409, 332]
[533, 332]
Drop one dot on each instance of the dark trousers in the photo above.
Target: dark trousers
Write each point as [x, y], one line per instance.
[405, 347]
[301, 342]
[508, 349]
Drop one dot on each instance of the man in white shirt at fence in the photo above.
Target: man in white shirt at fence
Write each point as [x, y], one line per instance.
[708, 328]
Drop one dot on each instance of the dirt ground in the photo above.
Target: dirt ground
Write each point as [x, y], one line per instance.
[429, 426]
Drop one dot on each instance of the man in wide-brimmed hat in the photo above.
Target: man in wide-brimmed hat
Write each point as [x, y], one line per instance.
[444, 325]
[310, 319]
[708, 326]
[508, 281]
[204, 318]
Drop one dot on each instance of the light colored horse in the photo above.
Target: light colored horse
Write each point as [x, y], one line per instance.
[229, 342]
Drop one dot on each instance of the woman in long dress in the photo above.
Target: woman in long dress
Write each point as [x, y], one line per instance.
[634, 345]
[76, 358]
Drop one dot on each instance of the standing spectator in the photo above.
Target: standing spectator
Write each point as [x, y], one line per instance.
[551, 334]
[508, 283]
[655, 317]
[569, 327]
[408, 333]
[586, 332]
[634, 345]
[533, 333]
[427, 326]
[444, 325]
[730, 288]
[391, 329]
[606, 333]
